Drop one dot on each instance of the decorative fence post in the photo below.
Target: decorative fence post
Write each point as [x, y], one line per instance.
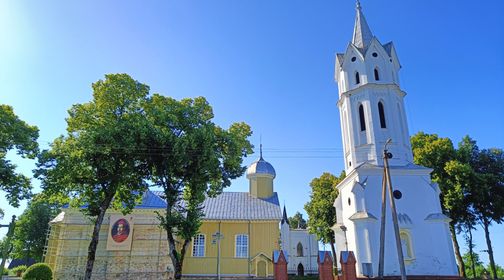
[347, 260]
[325, 266]
[279, 265]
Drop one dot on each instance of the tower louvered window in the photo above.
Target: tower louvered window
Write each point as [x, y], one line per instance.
[381, 111]
[362, 118]
[376, 75]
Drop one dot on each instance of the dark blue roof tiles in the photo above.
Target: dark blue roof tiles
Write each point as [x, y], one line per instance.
[152, 200]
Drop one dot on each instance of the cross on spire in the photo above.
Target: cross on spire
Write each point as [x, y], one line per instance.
[260, 148]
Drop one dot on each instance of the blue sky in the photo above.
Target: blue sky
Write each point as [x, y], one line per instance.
[268, 63]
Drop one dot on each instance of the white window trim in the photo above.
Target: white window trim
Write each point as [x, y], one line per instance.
[409, 245]
[236, 246]
[204, 245]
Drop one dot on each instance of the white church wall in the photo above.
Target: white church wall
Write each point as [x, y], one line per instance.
[310, 252]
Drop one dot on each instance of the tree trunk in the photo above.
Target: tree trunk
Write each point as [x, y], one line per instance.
[176, 258]
[471, 254]
[7, 249]
[490, 250]
[460, 261]
[335, 260]
[96, 234]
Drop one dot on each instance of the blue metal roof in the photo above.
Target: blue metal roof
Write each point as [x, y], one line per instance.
[276, 255]
[151, 200]
[322, 255]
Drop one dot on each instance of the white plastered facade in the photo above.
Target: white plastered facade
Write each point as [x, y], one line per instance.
[302, 249]
[366, 127]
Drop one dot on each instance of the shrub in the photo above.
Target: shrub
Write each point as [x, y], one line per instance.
[38, 271]
[18, 270]
[6, 271]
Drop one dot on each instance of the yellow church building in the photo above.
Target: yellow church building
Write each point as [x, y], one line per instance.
[240, 230]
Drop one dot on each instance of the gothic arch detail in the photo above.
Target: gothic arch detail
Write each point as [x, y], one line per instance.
[381, 112]
[406, 245]
[376, 74]
[362, 118]
[299, 249]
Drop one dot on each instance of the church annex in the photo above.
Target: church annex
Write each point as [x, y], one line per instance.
[238, 235]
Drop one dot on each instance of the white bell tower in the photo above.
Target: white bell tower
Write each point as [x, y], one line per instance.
[370, 100]
[371, 105]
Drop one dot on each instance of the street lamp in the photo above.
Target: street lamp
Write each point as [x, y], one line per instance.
[344, 229]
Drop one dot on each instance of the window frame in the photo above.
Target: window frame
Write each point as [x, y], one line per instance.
[409, 256]
[300, 246]
[196, 238]
[241, 246]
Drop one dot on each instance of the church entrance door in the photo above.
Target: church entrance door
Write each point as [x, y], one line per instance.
[300, 270]
[261, 269]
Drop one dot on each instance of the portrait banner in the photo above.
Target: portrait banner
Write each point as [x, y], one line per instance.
[120, 233]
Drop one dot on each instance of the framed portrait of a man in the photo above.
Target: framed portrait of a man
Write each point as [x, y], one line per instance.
[120, 234]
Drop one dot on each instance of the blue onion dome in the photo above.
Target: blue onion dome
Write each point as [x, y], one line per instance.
[261, 167]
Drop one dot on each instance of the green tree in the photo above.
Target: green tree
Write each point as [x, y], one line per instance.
[190, 158]
[18, 135]
[99, 163]
[320, 209]
[432, 151]
[31, 228]
[297, 221]
[488, 197]
[474, 266]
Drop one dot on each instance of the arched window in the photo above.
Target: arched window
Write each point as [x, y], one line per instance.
[357, 78]
[376, 75]
[299, 249]
[406, 245]
[362, 118]
[383, 124]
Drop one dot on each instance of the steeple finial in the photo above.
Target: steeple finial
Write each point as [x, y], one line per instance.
[284, 217]
[260, 148]
[362, 34]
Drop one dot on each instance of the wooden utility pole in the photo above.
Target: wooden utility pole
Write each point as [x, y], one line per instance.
[386, 156]
[382, 227]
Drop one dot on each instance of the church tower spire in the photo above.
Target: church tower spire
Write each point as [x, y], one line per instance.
[362, 34]
[370, 100]
[285, 220]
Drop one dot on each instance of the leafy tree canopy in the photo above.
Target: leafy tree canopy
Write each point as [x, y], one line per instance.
[190, 158]
[100, 162]
[480, 268]
[18, 135]
[297, 221]
[31, 228]
[320, 209]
